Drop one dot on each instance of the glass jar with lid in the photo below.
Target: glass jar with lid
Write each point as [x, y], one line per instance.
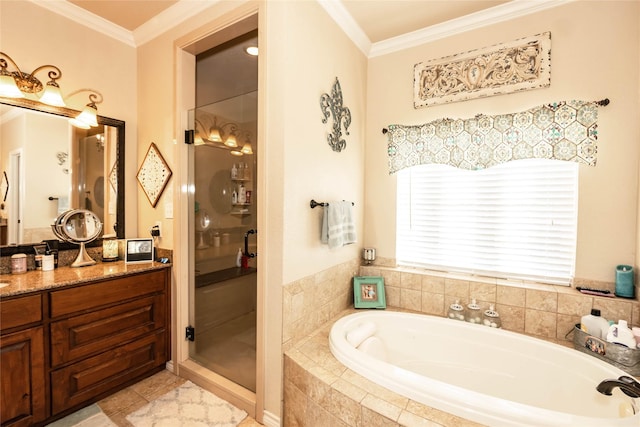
[474, 314]
[456, 311]
[491, 318]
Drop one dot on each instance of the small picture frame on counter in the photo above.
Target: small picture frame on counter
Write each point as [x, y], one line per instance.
[368, 292]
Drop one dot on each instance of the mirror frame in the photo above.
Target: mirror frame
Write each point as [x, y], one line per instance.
[69, 112]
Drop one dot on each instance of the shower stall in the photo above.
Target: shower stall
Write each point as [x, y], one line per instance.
[223, 292]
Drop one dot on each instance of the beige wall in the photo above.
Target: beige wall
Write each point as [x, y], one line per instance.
[302, 52]
[34, 36]
[595, 55]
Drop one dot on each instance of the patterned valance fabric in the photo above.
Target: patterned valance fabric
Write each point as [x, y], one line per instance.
[561, 131]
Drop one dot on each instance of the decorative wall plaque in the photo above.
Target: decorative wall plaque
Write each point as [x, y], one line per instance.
[519, 65]
[154, 174]
[332, 105]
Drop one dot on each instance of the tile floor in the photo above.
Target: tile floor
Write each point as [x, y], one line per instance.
[124, 402]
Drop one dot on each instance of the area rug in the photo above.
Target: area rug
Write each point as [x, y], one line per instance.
[90, 416]
[187, 406]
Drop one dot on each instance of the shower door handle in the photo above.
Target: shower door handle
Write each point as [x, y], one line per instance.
[246, 244]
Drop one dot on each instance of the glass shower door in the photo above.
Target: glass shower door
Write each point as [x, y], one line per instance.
[223, 291]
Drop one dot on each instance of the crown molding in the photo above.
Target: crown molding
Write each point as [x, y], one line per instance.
[185, 9]
[339, 13]
[500, 13]
[88, 19]
[169, 18]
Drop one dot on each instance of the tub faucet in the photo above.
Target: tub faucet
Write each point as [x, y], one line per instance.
[627, 385]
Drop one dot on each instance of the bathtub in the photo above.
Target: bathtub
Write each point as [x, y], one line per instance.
[490, 376]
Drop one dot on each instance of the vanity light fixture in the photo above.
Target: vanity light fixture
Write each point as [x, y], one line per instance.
[231, 140]
[18, 84]
[246, 148]
[222, 136]
[251, 50]
[88, 117]
[197, 137]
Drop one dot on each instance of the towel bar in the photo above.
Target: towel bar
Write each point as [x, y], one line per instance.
[313, 204]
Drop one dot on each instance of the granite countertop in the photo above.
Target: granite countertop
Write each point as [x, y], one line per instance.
[33, 281]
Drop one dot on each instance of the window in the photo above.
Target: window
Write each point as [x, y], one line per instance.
[515, 220]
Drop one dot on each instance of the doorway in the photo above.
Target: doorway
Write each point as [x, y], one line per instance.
[224, 286]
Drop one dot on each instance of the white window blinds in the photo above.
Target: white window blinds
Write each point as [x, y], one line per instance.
[516, 220]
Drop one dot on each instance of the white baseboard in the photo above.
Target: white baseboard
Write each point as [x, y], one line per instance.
[270, 420]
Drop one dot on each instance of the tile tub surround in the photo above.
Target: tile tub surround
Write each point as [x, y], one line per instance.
[312, 301]
[319, 391]
[542, 311]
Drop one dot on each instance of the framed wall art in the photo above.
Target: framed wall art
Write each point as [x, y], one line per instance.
[522, 64]
[368, 292]
[154, 174]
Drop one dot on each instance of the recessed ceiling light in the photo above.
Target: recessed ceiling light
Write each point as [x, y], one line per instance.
[252, 50]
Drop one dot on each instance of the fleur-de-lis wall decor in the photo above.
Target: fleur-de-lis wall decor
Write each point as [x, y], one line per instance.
[332, 105]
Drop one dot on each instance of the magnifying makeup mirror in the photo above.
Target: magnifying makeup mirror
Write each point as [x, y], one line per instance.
[78, 226]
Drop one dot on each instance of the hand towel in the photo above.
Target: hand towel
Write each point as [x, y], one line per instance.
[360, 333]
[63, 204]
[338, 225]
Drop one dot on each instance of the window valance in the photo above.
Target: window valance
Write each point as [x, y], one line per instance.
[563, 131]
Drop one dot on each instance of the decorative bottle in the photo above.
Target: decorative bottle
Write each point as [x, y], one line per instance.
[242, 194]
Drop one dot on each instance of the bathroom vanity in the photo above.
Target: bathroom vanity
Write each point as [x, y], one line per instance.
[72, 336]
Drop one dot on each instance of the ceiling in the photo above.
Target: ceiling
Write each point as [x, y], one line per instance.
[378, 19]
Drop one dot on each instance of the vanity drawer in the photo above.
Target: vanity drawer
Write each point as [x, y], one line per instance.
[87, 334]
[96, 376]
[20, 311]
[89, 297]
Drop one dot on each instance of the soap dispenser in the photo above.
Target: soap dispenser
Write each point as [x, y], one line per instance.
[491, 318]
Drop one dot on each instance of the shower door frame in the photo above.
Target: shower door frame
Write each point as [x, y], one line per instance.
[184, 230]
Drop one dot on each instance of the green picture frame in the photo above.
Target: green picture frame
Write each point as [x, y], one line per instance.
[368, 292]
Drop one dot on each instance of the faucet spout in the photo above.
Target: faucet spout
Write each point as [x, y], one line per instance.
[627, 385]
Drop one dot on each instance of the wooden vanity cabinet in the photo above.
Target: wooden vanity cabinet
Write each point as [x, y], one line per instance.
[67, 347]
[106, 335]
[22, 362]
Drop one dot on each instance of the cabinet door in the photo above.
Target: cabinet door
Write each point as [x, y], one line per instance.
[22, 394]
[88, 334]
[106, 372]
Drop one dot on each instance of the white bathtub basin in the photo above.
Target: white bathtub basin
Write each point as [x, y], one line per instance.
[491, 376]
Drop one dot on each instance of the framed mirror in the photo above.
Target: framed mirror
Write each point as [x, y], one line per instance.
[52, 166]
